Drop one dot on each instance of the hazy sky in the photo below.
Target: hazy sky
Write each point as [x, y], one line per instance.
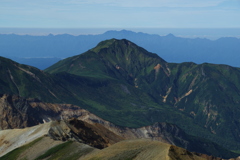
[120, 13]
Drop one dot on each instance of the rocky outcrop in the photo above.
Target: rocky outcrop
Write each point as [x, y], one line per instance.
[18, 112]
[95, 135]
[77, 130]
[72, 130]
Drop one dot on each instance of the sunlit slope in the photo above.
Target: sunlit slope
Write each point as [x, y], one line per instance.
[143, 149]
[65, 139]
[46, 148]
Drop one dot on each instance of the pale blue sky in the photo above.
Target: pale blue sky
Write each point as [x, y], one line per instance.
[120, 13]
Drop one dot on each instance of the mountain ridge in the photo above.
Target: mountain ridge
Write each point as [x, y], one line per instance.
[172, 49]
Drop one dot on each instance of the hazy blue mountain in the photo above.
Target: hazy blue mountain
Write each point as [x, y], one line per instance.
[172, 49]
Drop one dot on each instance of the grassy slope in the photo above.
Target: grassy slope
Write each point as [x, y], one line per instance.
[140, 149]
[64, 150]
[213, 102]
[67, 150]
[27, 81]
[13, 155]
[131, 149]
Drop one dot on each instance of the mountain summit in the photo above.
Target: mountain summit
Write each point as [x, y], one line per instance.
[118, 59]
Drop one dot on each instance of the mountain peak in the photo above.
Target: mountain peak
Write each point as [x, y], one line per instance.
[124, 48]
[118, 59]
[114, 43]
[103, 44]
[121, 32]
[170, 35]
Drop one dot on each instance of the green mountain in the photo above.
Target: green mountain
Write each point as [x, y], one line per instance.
[128, 86]
[107, 78]
[27, 81]
[142, 88]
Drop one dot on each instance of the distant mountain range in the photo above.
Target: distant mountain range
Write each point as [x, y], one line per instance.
[130, 87]
[27, 49]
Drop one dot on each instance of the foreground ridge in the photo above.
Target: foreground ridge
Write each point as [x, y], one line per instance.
[67, 140]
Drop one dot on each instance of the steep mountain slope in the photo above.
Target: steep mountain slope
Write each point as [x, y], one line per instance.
[111, 58]
[46, 148]
[209, 94]
[12, 139]
[201, 99]
[87, 92]
[113, 72]
[27, 81]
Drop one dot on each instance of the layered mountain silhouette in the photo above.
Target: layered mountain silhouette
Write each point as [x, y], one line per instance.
[26, 49]
[131, 87]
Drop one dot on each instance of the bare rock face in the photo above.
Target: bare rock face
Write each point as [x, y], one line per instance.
[95, 135]
[69, 130]
[77, 130]
[18, 112]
